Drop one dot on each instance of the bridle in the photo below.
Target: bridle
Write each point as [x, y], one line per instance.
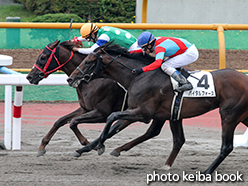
[52, 58]
[87, 77]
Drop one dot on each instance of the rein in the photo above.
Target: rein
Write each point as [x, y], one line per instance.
[115, 59]
[52, 55]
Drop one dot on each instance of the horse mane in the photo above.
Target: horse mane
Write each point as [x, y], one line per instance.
[145, 58]
[114, 49]
[67, 44]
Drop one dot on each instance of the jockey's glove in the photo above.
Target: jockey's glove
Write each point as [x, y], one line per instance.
[137, 71]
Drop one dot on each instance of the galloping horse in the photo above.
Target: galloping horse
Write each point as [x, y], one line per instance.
[97, 99]
[151, 94]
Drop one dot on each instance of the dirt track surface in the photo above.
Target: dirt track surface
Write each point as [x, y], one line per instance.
[58, 168]
[208, 59]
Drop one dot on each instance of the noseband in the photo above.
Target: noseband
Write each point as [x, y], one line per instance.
[52, 57]
[87, 77]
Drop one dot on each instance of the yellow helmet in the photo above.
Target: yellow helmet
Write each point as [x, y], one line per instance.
[88, 29]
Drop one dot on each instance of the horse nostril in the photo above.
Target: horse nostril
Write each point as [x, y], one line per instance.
[29, 78]
[69, 80]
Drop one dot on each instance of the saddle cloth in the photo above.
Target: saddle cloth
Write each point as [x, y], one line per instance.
[203, 86]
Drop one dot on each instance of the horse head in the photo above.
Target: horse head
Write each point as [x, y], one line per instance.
[104, 61]
[48, 62]
[91, 67]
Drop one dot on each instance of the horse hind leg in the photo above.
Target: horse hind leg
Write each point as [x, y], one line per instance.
[151, 132]
[178, 141]
[59, 123]
[226, 147]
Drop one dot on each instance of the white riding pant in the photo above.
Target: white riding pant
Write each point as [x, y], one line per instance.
[189, 56]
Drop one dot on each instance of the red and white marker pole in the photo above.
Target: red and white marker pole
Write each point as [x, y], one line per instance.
[16, 138]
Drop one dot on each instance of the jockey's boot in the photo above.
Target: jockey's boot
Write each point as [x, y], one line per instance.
[184, 84]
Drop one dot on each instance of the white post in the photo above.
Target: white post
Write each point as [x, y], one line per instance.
[17, 120]
[7, 116]
[5, 61]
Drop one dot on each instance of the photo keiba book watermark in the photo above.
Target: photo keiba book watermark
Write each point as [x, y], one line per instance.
[194, 177]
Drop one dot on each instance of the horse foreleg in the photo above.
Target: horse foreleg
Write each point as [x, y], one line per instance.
[152, 131]
[59, 123]
[117, 127]
[93, 116]
[226, 147]
[133, 115]
[178, 141]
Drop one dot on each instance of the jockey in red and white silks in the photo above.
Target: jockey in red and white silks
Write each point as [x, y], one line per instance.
[171, 53]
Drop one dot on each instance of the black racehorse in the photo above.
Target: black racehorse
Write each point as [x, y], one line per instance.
[151, 95]
[97, 99]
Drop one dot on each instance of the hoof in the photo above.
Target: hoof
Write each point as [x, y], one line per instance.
[101, 150]
[2, 146]
[115, 153]
[75, 154]
[165, 167]
[41, 152]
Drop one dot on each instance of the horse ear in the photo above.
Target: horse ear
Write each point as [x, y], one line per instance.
[111, 42]
[56, 42]
[107, 44]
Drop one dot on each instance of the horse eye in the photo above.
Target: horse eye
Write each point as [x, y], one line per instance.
[43, 57]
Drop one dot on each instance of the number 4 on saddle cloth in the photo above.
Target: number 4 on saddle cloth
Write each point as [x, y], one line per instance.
[203, 86]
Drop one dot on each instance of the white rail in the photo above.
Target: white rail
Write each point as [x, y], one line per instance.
[20, 79]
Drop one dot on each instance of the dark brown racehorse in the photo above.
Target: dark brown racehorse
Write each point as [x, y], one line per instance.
[151, 94]
[97, 99]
